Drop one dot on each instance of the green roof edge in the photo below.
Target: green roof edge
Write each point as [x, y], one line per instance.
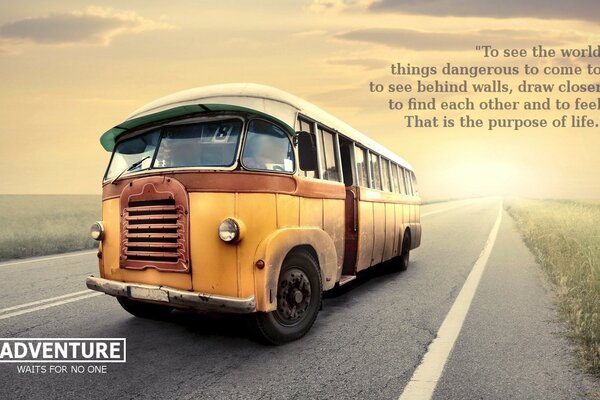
[109, 138]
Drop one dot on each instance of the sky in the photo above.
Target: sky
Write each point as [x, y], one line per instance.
[70, 70]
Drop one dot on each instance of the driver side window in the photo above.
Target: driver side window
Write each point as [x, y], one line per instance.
[267, 148]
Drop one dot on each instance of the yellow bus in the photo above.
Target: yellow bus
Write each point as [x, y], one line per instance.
[243, 198]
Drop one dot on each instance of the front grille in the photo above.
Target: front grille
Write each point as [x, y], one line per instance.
[154, 230]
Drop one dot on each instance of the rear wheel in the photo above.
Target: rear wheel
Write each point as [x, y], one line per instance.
[402, 260]
[299, 293]
[144, 310]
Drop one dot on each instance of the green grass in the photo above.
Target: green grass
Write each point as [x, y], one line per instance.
[564, 235]
[36, 225]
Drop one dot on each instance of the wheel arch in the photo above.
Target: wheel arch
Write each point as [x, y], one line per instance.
[274, 249]
[404, 232]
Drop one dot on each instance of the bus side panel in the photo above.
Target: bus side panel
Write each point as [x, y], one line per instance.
[214, 263]
[398, 228]
[390, 226]
[365, 235]
[378, 232]
[311, 212]
[405, 216]
[111, 219]
[417, 236]
[288, 210]
[334, 225]
[256, 211]
[413, 224]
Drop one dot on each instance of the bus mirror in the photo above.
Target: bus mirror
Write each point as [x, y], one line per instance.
[307, 151]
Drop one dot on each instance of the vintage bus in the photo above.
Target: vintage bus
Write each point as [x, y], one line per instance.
[243, 198]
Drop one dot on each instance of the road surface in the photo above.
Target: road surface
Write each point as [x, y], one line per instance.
[472, 284]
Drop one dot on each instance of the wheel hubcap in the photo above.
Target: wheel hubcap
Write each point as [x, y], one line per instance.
[298, 296]
[293, 296]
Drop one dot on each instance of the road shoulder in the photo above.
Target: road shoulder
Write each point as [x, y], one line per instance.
[512, 344]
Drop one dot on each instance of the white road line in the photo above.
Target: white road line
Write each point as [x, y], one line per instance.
[47, 258]
[49, 305]
[35, 303]
[425, 378]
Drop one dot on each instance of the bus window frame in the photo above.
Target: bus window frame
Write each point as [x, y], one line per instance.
[336, 152]
[338, 156]
[372, 181]
[243, 146]
[409, 188]
[353, 162]
[412, 188]
[365, 154]
[353, 170]
[403, 176]
[383, 160]
[369, 171]
[313, 125]
[401, 186]
[413, 182]
[394, 178]
[319, 145]
[190, 120]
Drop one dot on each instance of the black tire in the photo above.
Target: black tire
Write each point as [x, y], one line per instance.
[402, 261]
[299, 293]
[144, 310]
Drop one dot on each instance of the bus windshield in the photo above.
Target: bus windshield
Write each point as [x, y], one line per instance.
[201, 144]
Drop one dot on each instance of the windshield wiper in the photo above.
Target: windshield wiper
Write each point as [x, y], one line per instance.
[131, 167]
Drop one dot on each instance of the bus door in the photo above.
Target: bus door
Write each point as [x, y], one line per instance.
[350, 214]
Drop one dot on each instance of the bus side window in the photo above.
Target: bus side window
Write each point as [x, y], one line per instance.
[267, 148]
[385, 169]
[375, 172]
[346, 157]
[307, 126]
[395, 181]
[360, 157]
[413, 180]
[330, 167]
[409, 190]
[403, 181]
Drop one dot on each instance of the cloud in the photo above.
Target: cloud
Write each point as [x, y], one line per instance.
[335, 6]
[94, 26]
[364, 63]
[444, 41]
[554, 9]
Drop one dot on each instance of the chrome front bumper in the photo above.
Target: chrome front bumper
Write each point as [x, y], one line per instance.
[174, 297]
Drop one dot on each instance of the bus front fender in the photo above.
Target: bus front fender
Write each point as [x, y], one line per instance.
[273, 250]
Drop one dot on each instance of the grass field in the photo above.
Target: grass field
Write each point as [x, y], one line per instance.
[565, 238]
[35, 225]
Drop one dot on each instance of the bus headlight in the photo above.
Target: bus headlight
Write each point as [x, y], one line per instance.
[97, 230]
[231, 230]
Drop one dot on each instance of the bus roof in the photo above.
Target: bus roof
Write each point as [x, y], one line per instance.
[266, 100]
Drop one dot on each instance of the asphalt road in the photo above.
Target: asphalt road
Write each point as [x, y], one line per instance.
[367, 342]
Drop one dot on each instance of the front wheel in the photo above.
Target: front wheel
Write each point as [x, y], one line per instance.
[299, 293]
[144, 310]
